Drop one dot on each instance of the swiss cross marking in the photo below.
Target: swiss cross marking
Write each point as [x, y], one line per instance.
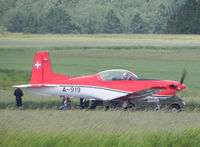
[37, 64]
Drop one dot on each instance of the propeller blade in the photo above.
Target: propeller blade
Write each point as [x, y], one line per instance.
[183, 76]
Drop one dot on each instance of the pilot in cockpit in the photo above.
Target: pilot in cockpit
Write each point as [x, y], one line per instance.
[125, 76]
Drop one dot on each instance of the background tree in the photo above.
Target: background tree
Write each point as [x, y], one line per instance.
[91, 25]
[15, 21]
[162, 17]
[57, 20]
[112, 23]
[187, 19]
[5, 6]
[137, 24]
[93, 16]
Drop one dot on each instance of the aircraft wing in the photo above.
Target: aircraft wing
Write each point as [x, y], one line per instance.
[129, 96]
[34, 85]
[141, 93]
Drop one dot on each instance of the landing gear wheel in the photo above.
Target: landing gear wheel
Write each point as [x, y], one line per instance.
[129, 106]
[175, 108]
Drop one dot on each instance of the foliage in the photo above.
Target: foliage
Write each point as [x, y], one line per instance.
[57, 21]
[112, 23]
[187, 19]
[87, 16]
[138, 25]
[3, 30]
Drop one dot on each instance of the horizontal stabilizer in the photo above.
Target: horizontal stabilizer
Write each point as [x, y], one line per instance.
[34, 85]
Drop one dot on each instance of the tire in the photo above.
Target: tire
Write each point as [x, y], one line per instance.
[132, 107]
[175, 108]
[129, 106]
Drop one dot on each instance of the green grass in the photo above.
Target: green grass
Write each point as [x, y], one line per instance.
[40, 124]
[117, 37]
[98, 128]
[21, 42]
[10, 77]
[16, 66]
[164, 139]
[158, 64]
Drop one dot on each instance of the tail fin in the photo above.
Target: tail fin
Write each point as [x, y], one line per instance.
[42, 72]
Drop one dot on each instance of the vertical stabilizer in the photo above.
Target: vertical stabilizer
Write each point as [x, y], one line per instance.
[42, 72]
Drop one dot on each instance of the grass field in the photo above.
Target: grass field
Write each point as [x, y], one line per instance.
[150, 56]
[98, 128]
[20, 42]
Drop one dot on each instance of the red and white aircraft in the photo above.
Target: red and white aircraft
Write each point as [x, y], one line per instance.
[115, 84]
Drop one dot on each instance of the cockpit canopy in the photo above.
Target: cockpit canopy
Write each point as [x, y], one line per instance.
[117, 75]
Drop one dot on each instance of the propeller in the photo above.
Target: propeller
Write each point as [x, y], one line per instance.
[183, 76]
[182, 80]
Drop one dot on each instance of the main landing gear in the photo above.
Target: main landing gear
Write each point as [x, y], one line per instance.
[89, 104]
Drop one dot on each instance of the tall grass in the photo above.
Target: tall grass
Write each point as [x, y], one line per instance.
[98, 128]
[40, 124]
[164, 139]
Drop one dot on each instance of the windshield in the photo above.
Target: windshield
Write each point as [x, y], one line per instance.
[117, 75]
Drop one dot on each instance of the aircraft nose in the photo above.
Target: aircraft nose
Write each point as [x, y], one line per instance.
[182, 86]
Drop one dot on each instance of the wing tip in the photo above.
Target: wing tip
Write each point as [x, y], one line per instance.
[21, 86]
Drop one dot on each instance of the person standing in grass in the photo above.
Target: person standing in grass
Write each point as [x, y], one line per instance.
[18, 94]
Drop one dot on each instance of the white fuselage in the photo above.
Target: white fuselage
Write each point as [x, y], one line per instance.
[78, 91]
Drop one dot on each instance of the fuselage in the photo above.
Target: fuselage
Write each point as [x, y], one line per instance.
[96, 87]
[115, 84]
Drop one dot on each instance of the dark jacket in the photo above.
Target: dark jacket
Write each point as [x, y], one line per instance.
[18, 93]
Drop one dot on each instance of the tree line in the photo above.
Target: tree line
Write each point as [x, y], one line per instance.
[100, 16]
